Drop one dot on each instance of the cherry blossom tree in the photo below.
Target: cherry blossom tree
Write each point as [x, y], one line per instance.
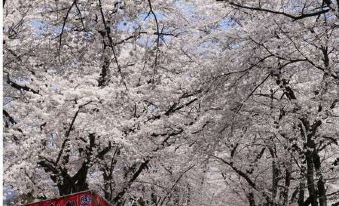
[281, 90]
[173, 102]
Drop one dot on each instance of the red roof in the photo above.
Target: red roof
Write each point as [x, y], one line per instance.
[86, 198]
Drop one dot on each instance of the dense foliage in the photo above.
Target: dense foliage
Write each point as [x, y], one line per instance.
[173, 102]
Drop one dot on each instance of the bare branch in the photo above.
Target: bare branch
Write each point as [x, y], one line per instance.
[294, 17]
[64, 24]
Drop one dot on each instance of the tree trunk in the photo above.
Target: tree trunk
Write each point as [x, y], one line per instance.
[310, 179]
[301, 197]
[251, 199]
[275, 180]
[287, 184]
[77, 183]
[322, 192]
[312, 160]
[321, 182]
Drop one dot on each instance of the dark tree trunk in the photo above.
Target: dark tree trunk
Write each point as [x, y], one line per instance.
[72, 185]
[65, 183]
[287, 184]
[188, 198]
[251, 199]
[322, 192]
[321, 182]
[275, 179]
[310, 179]
[312, 161]
[59, 174]
[108, 170]
[301, 189]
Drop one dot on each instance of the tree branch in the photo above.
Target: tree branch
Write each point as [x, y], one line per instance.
[294, 17]
[20, 87]
[64, 24]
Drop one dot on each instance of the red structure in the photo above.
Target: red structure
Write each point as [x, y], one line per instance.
[87, 198]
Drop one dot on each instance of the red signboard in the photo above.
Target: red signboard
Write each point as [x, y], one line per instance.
[87, 198]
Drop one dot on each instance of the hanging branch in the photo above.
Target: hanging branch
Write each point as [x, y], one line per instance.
[168, 194]
[239, 172]
[151, 11]
[142, 166]
[64, 24]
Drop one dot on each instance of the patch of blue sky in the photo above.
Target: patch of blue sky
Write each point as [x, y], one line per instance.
[127, 25]
[56, 30]
[42, 28]
[235, 46]
[89, 35]
[166, 38]
[227, 23]
[131, 25]
[146, 41]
